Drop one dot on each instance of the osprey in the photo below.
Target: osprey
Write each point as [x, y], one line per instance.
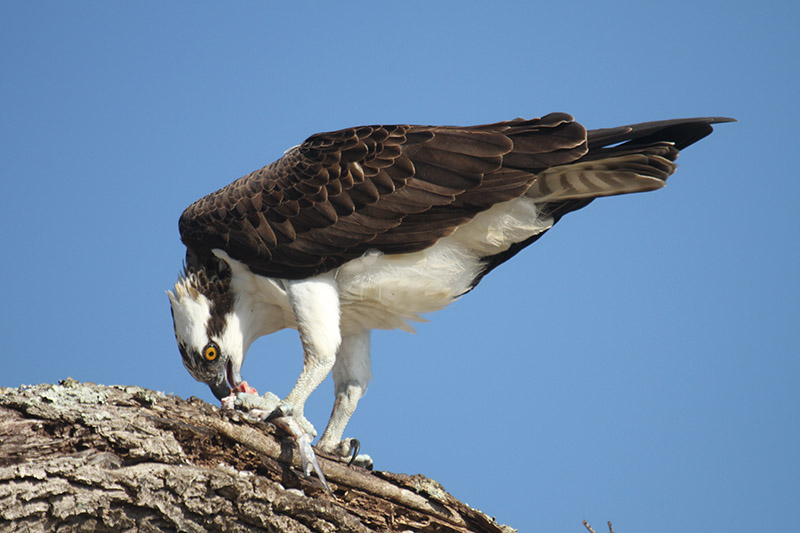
[369, 227]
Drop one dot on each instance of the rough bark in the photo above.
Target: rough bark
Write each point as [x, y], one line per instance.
[85, 457]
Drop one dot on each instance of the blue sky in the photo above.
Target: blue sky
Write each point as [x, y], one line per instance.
[638, 364]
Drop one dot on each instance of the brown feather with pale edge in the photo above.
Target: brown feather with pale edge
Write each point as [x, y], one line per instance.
[399, 189]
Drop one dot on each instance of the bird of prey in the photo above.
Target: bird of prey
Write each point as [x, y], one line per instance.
[370, 227]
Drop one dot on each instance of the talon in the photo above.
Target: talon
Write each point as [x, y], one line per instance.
[284, 409]
[356, 446]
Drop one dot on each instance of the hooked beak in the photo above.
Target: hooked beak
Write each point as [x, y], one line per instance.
[228, 381]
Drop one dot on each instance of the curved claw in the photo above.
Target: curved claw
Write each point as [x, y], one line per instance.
[282, 410]
[356, 446]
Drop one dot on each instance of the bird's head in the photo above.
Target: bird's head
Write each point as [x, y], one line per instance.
[207, 329]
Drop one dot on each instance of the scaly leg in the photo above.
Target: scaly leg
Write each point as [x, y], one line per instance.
[315, 303]
[351, 374]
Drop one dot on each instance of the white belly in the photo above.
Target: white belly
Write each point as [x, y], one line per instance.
[380, 291]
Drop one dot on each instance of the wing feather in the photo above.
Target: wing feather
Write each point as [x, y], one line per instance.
[401, 188]
[394, 188]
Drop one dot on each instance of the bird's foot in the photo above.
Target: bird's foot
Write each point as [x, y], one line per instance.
[348, 450]
[266, 407]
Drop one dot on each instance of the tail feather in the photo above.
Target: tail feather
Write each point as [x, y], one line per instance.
[646, 170]
[681, 132]
[623, 160]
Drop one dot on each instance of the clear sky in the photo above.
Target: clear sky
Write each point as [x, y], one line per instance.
[638, 364]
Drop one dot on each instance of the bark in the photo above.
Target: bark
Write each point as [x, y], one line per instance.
[85, 457]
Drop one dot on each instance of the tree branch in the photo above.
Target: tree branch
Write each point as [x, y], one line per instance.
[83, 456]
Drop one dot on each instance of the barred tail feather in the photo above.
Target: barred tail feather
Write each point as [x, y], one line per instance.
[646, 170]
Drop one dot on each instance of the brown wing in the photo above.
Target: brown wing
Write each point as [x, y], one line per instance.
[391, 188]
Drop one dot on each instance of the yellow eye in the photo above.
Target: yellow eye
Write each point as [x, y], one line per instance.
[211, 352]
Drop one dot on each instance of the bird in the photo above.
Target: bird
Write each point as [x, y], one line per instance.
[371, 227]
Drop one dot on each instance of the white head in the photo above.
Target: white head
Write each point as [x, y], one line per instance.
[207, 330]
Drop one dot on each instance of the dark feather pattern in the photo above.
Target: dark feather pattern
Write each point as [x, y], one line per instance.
[400, 188]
